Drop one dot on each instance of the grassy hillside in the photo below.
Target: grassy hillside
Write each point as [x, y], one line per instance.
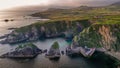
[100, 35]
[55, 45]
[107, 14]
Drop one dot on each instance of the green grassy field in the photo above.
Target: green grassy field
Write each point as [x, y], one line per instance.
[103, 15]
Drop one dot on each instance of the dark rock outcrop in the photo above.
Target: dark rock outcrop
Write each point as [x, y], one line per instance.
[54, 52]
[23, 52]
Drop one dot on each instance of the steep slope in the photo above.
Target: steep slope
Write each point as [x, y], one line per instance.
[43, 30]
[100, 35]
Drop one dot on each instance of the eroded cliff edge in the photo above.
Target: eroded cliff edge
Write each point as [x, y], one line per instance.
[48, 29]
[100, 35]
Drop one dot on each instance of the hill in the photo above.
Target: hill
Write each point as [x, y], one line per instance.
[116, 4]
[96, 14]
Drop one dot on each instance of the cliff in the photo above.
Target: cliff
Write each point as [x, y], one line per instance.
[48, 29]
[100, 35]
[54, 49]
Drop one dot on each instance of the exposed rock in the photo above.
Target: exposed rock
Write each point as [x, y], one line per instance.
[6, 20]
[46, 30]
[54, 52]
[101, 35]
[107, 37]
[23, 51]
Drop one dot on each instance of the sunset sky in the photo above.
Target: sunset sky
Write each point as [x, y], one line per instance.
[6, 4]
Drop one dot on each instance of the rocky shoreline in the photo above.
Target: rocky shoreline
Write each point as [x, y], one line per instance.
[93, 54]
[45, 30]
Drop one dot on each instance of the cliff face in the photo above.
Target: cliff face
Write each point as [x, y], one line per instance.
[42, 30]
[100, 35]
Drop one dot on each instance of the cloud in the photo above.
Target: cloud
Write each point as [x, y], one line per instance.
[5, 4]
[81, 2]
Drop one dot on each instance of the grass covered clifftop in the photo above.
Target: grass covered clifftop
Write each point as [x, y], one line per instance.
[47, 29]
[67, 17]
[56, 25]
[100, 35]
[27, 45]
[55, 45]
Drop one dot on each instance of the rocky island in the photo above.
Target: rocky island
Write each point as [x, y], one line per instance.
[54, 52]
[26, 51]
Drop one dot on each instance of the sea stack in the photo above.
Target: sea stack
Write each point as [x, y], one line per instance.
[54, 52]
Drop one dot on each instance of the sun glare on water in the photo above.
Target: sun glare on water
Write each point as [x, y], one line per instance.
[6, 4]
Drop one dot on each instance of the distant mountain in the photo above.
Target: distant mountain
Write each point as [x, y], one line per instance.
[116, 4]
[114, 7]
